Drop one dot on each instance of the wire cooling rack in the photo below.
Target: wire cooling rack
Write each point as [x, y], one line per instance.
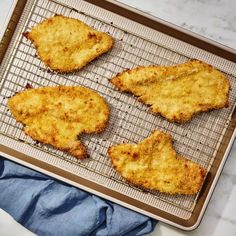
[130, 121]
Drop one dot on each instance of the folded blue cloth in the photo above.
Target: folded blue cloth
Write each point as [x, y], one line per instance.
[49, 207]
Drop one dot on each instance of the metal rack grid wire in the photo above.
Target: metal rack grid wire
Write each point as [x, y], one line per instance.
[130, 121]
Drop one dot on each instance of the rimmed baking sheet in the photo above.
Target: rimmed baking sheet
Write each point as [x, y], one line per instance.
[203, 140]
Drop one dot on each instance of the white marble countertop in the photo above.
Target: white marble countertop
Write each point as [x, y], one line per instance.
[215, 19]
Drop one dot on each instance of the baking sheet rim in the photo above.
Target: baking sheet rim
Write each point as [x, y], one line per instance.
[209, 194]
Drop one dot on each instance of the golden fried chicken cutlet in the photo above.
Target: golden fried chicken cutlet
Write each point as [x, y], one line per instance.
[58, 115]
[177, 92]
[65, 44]
[154, 164]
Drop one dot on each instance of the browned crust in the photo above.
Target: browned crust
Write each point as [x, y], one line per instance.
[144, 184]
[65, 70]
[118, 82]
[77, 149]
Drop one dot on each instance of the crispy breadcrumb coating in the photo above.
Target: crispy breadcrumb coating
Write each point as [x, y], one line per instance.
[177, 92]
[58, 115]
[154, 164]
[65, 44]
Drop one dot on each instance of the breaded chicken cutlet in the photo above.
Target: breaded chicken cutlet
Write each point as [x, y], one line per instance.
[65, 44]
[177, 92]
[154, 164]
[58, 115]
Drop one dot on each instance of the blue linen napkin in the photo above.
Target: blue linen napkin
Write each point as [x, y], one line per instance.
[49, 207]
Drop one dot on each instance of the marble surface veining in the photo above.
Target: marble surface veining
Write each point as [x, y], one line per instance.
[214, 19]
